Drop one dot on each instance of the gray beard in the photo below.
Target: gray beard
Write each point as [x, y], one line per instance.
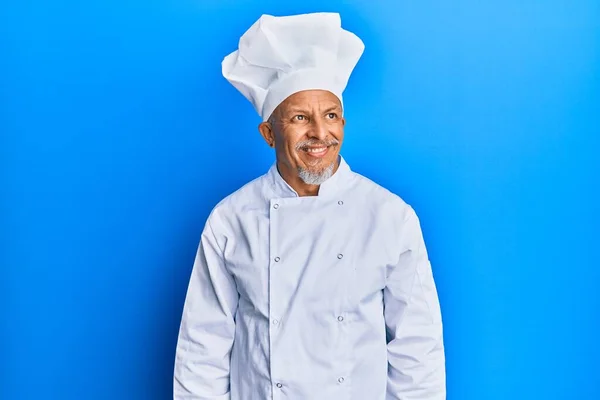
[315, 178]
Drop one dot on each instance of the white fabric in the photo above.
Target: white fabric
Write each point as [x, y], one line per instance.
[279, 56]
[323, 297]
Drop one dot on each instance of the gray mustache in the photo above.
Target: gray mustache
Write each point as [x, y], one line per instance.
[308, 143]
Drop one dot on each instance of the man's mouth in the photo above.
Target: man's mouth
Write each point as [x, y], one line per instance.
[316, 151]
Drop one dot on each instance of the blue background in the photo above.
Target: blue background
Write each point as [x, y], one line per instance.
[119, 134]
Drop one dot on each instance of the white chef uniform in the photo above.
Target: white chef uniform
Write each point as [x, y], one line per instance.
[314, 297]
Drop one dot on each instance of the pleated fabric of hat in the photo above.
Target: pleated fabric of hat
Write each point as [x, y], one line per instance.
[280, 56]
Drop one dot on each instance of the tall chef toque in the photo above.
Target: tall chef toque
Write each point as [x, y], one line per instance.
[279, 56]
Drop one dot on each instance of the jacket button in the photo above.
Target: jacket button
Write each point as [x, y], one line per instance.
[340, 256]
[279, 385]
[276, 206]
[340, 318]
[277, 259]
[340, 202]
[341, 379]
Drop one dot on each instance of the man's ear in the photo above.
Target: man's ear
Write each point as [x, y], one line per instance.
[266, 131]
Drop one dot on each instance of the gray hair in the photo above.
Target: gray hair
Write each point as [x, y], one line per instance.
[315, 178]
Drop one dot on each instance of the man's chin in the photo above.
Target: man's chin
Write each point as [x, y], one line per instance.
[318, 163]
[318, 168]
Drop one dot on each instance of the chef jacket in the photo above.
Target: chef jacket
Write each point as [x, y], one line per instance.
[316, 297]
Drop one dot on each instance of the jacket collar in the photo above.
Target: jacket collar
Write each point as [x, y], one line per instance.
[336, 183]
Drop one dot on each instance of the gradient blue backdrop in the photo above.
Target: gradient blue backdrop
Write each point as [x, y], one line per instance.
[118, 136]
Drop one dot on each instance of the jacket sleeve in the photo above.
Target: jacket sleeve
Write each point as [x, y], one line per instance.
[416, 360]
[202, 360]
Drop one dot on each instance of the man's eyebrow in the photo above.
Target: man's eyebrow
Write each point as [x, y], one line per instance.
[333, 108]
[294, 110]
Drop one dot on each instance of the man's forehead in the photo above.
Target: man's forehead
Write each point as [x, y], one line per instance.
[310, 99]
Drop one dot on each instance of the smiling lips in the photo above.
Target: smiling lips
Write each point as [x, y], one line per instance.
[317, 152]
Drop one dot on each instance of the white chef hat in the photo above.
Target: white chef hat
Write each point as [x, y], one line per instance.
[279, 56]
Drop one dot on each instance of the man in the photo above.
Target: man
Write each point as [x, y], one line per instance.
[310, 282]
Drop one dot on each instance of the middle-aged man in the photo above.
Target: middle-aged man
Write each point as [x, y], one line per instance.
[311, 281]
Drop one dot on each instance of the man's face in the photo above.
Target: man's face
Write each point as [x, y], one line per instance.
[307, 131]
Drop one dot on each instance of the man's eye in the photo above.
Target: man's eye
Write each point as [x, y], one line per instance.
[300, 118]
[332, 115]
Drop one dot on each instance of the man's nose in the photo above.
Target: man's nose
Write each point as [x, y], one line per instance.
[319, 129]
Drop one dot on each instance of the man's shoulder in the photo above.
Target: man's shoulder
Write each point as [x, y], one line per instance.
[377, 196]
[249, 196]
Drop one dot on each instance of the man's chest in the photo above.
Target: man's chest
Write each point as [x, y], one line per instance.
[321, 254]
